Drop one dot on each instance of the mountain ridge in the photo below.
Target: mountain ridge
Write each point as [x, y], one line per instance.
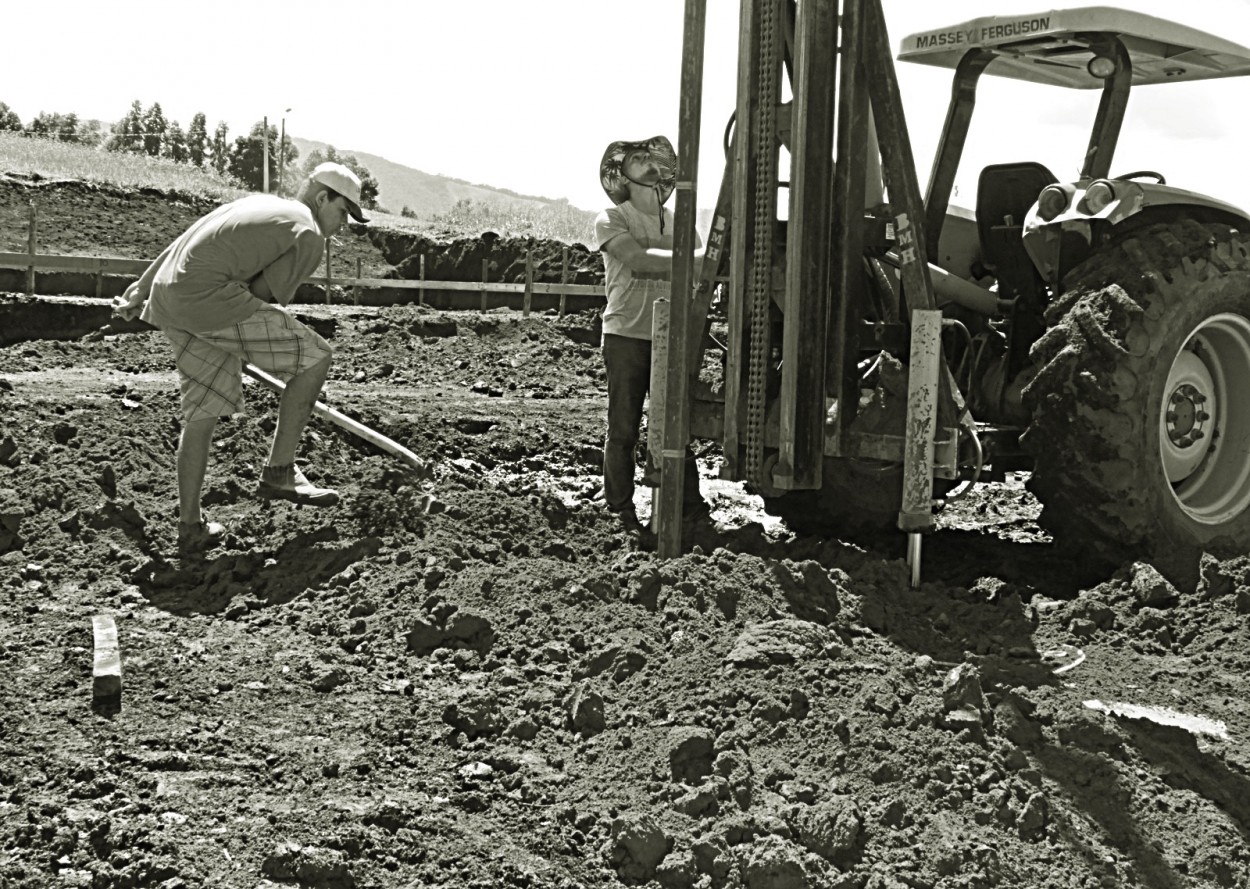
[430, 194]
[427, 194]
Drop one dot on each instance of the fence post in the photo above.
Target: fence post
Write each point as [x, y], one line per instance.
[356, 286]
[529, 281]
[30, 247]
[99, 279]
[485, 266]
[421, 292]
[564, 279]
[327, 271]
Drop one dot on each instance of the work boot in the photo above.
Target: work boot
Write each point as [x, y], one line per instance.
[634, 527]
[288, 483]
[627, 516]
[199, 538]
[695, 511]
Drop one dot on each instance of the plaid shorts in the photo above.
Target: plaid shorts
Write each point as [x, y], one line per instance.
[210, 364]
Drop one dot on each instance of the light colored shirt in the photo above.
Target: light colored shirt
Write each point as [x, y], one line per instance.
[630, 296]
[202, 281]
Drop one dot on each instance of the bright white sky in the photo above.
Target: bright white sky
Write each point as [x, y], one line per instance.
[526, 95]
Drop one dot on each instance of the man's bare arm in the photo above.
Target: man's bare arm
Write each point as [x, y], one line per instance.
[650, 260]
[130, 303]
[260, 288]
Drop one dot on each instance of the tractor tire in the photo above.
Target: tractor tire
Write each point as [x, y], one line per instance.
[1139, 420]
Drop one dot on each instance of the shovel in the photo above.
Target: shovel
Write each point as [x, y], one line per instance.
[426, 502]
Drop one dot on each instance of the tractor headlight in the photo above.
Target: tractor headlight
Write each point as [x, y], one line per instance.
[1099, 196]
[1051, 202]
[1102, 67]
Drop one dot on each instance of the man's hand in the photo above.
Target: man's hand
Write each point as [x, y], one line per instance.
[129, 305]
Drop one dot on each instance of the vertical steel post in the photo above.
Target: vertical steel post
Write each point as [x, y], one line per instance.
[677, 384]
[925, 367]
[808, 241]
[768, 54]
[849, 197]
[743, 180]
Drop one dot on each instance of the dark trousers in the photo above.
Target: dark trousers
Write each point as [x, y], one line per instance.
[628, 363]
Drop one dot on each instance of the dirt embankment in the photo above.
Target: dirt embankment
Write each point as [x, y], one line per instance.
[73, 217]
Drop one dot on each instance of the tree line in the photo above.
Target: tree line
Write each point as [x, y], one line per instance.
[148, 131]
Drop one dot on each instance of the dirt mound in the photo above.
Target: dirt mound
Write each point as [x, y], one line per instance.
[516, 692]
[73, 217]
[461, 259]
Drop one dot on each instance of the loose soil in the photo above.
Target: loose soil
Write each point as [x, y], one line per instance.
[516, 691]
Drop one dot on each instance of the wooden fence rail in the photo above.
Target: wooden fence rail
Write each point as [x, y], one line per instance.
[99, 266]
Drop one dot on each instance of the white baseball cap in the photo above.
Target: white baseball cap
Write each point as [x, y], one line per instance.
[343, 181]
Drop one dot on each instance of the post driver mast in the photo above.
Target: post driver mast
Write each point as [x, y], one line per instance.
[845, 104]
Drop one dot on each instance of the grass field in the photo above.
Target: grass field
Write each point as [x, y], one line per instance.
[25, 156]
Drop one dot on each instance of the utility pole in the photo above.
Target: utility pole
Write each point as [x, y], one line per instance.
[264, 141]
[282, 152]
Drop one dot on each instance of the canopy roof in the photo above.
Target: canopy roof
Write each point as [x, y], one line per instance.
[1048, 47]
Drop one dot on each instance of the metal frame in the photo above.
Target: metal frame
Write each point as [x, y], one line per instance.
[838, 97]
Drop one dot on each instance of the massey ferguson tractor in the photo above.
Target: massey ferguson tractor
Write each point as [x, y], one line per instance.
[881, 351]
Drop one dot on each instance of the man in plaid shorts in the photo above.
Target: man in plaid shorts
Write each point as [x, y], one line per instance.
[216, 293]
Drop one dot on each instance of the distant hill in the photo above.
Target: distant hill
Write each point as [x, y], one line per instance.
[426, 193]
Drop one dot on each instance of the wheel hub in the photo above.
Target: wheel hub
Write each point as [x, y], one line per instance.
[1187, 422]
[1203, 425]
[1187, 419]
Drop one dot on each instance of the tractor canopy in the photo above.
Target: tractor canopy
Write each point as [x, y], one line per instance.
[1054, 47]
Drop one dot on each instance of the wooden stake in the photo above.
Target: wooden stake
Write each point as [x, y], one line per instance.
[529, 281]
[356, 289]
[106, 671]
[327, 271]
[484, 270]
[421, 292]
[564, 279]
[30, 247]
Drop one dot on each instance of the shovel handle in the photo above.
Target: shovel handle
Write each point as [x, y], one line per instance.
[346, 423]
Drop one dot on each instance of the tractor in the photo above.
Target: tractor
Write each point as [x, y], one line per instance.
[882, 351]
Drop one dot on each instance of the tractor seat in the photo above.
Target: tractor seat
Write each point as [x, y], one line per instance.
[1005, 192]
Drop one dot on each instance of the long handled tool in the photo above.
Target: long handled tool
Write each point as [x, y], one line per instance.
[426, 502]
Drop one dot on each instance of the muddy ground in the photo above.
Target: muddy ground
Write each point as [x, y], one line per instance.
[516, 692]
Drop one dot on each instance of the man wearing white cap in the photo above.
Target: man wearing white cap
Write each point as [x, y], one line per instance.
[217, 294]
